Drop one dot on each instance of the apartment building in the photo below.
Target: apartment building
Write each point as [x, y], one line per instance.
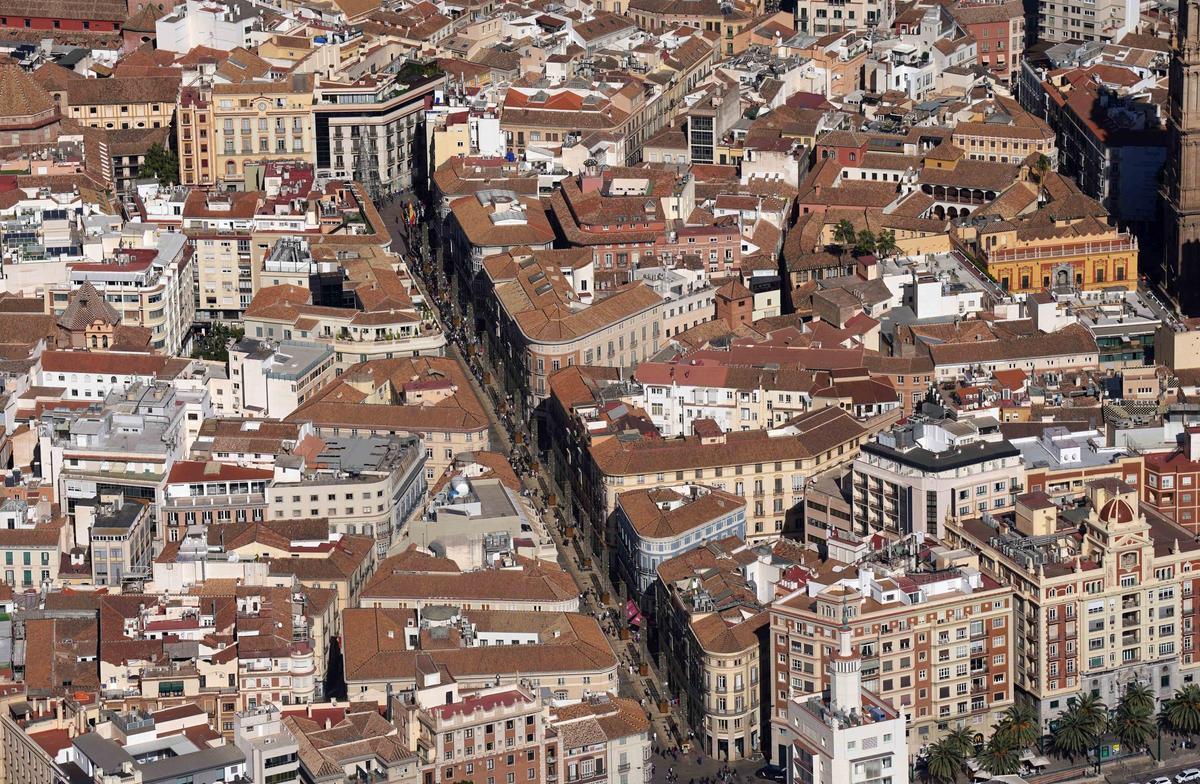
[378, 314]
[853, 734]
[1115, 160]
[148, 282]
[999, 29]
[427, 395]
[661, 523]
[270, 748]
[710, 633]
[122, 448]
[25, 759]
[391, 649]
[539, 320]
[600, 735]
[120, 102]
[195, 141]
[934, 634]
[1170, 482]
[1025, 134]
[120, 540]
[371, 129]
[199, 492]
[244, 123]
[361, 484]
[134, 743]
[767, 467]
[821, 17]
[274, 379]
[1103, 594]
[1107, 21]
[32, 551]
[489, 223]
[413, 580]
[914, 476]
[250, 443]
[680, 395]
[490, 732]
[218, 226]
[334, 746]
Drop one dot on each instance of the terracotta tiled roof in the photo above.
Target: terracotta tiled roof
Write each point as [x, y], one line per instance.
[816, 433]
[99, 10]
[376, 649]
[21, 95]
[86, 306]
[641, 508]
[541, 582]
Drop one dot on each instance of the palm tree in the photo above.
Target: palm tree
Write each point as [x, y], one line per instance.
[885, 244]
[1091, 712]
[943, 760]
[1072, 735]
[999, 757]
[1139, 696]
[1133, 724]
[961, 739]
[865, 242]
[1181, 713]
[1041, 166]
[1019, 725]
[844, 236]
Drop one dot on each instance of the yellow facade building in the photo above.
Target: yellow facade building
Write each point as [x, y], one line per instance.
[121, 102]
[254, 122]
[1086, 255]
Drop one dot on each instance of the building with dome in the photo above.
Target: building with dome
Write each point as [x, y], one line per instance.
[1104, 591]
[28, 115]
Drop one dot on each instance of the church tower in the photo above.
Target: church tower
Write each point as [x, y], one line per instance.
[1182, 171]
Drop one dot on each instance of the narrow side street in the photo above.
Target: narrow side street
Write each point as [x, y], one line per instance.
[599, 598]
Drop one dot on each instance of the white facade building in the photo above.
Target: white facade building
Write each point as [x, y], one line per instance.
[854, 737]
[910, 478]
[222, 26]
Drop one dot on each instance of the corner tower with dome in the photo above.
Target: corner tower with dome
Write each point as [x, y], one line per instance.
[1102, 592]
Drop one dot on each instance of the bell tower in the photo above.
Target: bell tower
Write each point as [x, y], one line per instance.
[1181, 180]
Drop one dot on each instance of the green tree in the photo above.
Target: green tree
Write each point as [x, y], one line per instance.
[943, 760]
[961, 739]
[844, 236]
[1019, 726]
[1042, 167]
[1133, 723]
[999, 756]
[1091, 711]
[1181, 713]
[1138, 696]
[213, 344]
[161, 163]
[885, 244]
[865, 242]
[1075, 730]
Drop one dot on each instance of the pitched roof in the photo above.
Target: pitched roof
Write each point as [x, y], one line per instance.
[20, 93]
[86, 306]
[806, 436]
[537, 581]
[376, 648]
[99, 10]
